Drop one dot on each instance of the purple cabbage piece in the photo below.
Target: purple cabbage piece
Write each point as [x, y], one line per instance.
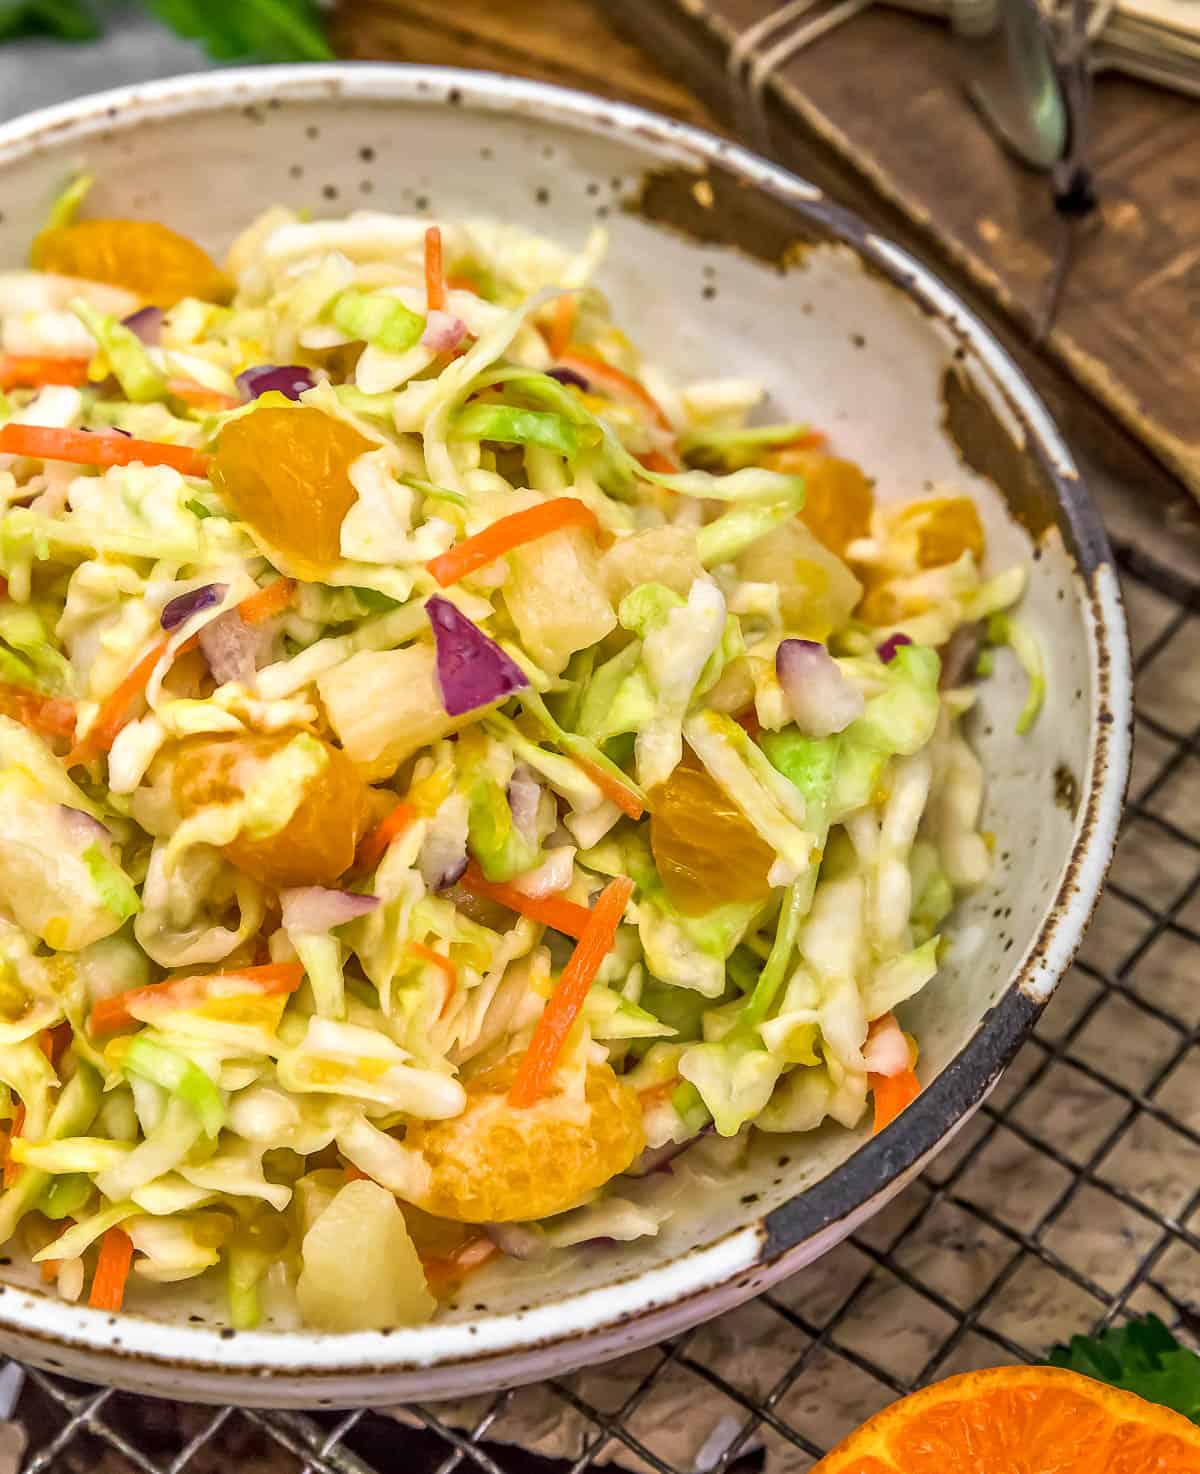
[472, 670]
[290, 380]
[183, 606]
[146, 323]
[887, 651]
[569, 376]
[312, 908]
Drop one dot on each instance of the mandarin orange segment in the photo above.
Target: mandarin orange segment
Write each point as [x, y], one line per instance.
[882, 606]
[1020, 1420]
[318, 842]
[496, 1165]
[705, 851]
[838, 499]
[158, 264]
[286, 473]
[945, 528]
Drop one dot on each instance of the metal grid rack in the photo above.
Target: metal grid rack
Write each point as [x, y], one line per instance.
[1065, 1205]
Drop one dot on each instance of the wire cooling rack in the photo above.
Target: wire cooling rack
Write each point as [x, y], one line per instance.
[1067, 1204]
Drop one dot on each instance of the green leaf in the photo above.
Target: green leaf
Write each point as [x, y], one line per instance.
[1142, 1357]
[71, 20]
[239, 30]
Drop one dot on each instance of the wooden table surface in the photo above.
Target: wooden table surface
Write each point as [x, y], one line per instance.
[578, 43]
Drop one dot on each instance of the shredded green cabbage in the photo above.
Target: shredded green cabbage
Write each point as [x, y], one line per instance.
[223, 703]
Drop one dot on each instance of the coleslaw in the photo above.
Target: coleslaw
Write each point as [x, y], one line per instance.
[458, 782]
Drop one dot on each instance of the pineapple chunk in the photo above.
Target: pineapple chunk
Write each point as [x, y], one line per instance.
[665, 555]
[361, 1271]
[385, 704]
[816, 590]
[556, 599]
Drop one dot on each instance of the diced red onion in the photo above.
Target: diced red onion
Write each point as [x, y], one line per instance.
[553, 875]
[524, 796]
[231, 646]
[82, 827]
[518, 1240]
[886, 1049]
[312, 908]
[443, 331]
[959, 654]
[290, 380]
[887, 651]
[146, 323]
[472, 670]
[569, 376]
[821, 700]
[183, 606]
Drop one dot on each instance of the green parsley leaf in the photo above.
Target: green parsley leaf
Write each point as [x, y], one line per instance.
[72, 20]
[238, 30]
[1141, 1357]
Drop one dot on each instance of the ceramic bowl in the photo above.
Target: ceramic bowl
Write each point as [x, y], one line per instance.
[723, 264]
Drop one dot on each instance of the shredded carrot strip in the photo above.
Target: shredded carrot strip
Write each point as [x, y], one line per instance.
[267, 981]
[892, 1094]
[21, 371]
[442, 1272]
[656, 1094]
[460, 283]
[562, 325]
[49, 715]
[376, 841]
[112, 1270]
[435, 281]
[567, 917]
[625, 799]
[54, 1041]
[272, 600]
[782, 457]
[50, 1268]
[599, 371]
[439, 960]
[95, 448]
[540, 1060]
[657, 460]
[12, 1170]
[114, 712]
[201, 397]
[508, 533]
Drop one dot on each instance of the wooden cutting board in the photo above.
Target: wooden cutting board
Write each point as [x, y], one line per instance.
[873, 118]
[881, 93]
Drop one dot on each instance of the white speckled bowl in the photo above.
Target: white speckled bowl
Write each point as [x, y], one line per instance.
[722, 264]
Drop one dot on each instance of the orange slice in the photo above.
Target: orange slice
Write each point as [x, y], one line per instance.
[1020, 1420]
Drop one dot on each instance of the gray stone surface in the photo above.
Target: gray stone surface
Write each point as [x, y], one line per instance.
[37, 73]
